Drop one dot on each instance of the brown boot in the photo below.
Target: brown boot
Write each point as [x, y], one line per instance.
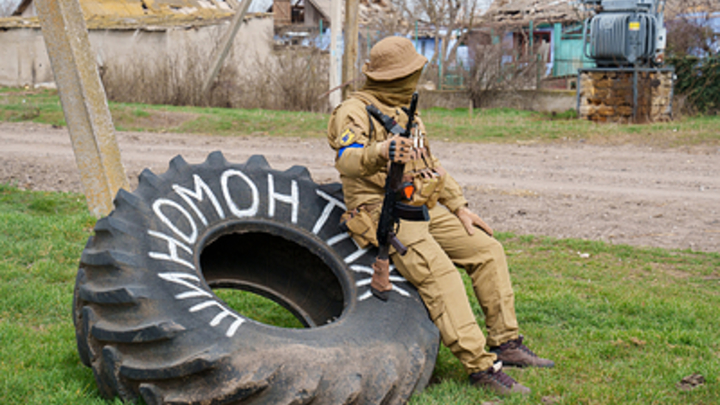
[514, 353]
[495, 380]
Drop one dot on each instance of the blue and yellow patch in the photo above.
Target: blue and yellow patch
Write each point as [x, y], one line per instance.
[347, 137]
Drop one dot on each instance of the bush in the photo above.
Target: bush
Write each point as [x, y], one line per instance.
[291, 79]
[698, 80]
[495, 71]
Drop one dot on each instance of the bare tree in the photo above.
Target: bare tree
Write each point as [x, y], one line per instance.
[448, 19]
[493, 70]
[382, 17]
[693, 49]
[689, 29]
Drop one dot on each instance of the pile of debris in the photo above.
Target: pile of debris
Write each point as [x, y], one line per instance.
[514, 13]
[371, 11]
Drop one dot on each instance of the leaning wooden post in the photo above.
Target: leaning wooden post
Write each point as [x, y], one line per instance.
[351, 46]
[225, 44]
[84, 102]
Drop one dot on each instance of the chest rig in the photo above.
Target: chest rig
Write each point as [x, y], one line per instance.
[424, 171]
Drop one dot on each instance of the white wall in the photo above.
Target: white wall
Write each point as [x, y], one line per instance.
[24, 60]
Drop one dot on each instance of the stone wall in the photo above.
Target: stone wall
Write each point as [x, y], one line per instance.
[533, 100]
[607, 96]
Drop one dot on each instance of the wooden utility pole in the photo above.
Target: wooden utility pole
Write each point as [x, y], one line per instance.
[84, 102]
[351, 46]
[335, 51]
[222, 51]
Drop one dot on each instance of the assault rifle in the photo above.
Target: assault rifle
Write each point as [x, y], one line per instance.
[393, 208]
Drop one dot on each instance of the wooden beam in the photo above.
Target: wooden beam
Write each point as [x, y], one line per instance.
[84, 102]
[351, 46]
[222, 51]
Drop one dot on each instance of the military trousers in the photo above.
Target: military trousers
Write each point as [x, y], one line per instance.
[435, 251]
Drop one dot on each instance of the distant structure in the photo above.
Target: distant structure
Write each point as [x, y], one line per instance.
[129, 31]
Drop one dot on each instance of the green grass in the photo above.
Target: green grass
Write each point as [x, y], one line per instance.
[258, 308]
[515, 126]
[41, 237]
[624, 325]
[491, 125]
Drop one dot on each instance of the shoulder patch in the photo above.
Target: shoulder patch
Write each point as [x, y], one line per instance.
[347, 137]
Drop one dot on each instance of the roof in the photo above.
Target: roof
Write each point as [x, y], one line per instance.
[378, 11]
[323, 6]
[369, 11]
[673, 8]
[136, 14]
[516, 13]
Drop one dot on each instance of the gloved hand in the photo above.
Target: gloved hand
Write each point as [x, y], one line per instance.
[470, 220]
[397, 149]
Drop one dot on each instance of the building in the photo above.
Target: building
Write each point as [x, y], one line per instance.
[550, 30]
[130, 32]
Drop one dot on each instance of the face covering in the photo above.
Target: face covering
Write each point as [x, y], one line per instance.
[394, 93]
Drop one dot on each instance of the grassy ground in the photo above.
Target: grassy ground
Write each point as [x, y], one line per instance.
[494, 125]
[625, 325]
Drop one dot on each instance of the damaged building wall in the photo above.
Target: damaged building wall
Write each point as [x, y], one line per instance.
[24, 60]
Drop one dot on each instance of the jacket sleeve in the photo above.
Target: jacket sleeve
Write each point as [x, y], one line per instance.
[358, 154]
[452, 195]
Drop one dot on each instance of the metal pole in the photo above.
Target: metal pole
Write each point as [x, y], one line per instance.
[369, 46]
[335, 61]
[635, 93]
[225, 44]
[577, 93]
[538, 71]
[417, 44]
[84, 102]
[351, 45]
[440, 66]
[532, 38]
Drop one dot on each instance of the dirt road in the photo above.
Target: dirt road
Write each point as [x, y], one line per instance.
[621, 194]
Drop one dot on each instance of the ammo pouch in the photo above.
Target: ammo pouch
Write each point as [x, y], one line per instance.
[428, 183]
[361, 226]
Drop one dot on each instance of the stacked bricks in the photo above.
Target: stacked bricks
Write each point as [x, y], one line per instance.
[607, 96]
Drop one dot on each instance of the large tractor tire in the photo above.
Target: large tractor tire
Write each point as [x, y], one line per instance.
[149, 325]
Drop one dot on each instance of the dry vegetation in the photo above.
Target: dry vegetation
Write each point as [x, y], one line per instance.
[291, 79]
[490, 73]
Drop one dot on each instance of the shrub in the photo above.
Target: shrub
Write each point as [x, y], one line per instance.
[698, 81]
[290, 79]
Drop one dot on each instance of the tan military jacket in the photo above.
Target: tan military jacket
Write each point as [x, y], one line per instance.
[362, 168]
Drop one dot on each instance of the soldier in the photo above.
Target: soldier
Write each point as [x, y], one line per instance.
[451, 238]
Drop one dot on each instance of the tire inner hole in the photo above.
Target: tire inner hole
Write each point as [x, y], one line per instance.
[273, 275]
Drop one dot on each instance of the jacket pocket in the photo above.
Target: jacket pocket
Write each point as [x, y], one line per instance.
[361, 226]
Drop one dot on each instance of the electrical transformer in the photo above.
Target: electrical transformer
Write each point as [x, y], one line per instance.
[625, 32]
